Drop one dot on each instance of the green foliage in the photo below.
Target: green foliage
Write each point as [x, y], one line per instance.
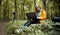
[10, 27]
[52, 8]
[34, 29]
[7, 8]
[25, 6]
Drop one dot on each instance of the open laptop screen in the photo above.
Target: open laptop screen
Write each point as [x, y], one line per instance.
[31, 15]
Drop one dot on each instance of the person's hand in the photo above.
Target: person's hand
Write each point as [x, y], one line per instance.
[38, 17]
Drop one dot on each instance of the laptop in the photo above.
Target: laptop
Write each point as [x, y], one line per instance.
[31, 15]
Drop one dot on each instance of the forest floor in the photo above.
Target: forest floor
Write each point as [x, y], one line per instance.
[2, 27]
[11, 28]
[17, 28]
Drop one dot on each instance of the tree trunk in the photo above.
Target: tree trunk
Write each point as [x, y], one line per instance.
[15, 9]
[34, 3]
[44, 3]
[0, 2]
[0, 8]
[5, 13]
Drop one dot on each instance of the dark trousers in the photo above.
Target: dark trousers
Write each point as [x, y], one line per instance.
[56, 19]
[32, 21]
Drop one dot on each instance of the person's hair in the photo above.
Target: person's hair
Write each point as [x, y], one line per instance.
[36, 9]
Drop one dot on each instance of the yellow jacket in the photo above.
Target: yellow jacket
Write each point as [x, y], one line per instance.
[43, 15]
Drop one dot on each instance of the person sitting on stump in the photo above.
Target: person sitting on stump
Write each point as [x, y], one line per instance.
[40, 16]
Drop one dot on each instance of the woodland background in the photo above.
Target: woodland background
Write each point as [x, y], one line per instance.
[21, 7]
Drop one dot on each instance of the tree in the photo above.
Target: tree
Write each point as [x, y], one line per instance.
[6, 11]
